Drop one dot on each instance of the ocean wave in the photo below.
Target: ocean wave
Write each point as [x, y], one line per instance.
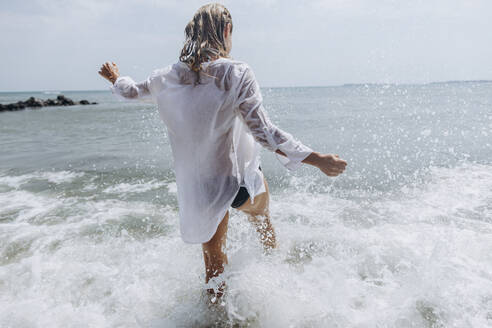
[418, 256]
[56, 177]
[135, 188]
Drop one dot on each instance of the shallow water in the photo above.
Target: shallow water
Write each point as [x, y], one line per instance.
[89, 232]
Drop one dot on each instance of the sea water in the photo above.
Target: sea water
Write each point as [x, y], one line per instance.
[89, 233]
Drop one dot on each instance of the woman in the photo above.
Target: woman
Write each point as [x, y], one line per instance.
[212, 107]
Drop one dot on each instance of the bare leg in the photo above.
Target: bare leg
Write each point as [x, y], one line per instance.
[259, 215]
[214, 254]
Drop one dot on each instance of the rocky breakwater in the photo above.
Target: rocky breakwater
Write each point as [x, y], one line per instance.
[32, 102]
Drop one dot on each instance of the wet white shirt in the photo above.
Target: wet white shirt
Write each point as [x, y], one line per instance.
[212, 128]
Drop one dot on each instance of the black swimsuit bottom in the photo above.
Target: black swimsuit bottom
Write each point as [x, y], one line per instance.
[241, 196]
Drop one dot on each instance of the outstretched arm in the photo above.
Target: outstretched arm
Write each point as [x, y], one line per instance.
[124, 86]
[250, 108]
[329, 164]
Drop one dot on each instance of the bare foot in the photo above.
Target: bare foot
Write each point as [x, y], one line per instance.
[216, 293]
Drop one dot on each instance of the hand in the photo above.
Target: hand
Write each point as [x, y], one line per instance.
[109, 72]
[329, 164]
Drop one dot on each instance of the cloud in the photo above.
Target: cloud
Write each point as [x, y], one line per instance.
[45, 43]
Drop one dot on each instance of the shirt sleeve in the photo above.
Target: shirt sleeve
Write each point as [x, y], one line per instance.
[249, 105]
[125, 87]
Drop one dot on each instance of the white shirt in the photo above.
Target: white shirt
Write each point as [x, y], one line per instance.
[212, 128]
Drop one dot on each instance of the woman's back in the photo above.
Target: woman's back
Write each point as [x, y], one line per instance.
[213, 126]
[214, 154]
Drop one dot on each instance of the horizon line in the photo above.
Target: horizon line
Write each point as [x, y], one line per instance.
[286, 87]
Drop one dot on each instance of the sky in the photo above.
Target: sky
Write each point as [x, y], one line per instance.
[60, 44]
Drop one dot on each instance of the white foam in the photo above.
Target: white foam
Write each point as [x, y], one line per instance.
[56, 177]
[416, 257]
[135, 188]
[172, 187]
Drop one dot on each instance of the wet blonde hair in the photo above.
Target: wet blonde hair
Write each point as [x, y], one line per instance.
[204, 36]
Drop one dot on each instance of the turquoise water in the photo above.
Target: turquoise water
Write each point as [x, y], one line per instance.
[89, 230]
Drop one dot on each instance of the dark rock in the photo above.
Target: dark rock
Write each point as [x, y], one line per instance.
[21, 105]
[93, 103]
[12, 107]
[63, 101]
[32, 102]
[49, 102]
